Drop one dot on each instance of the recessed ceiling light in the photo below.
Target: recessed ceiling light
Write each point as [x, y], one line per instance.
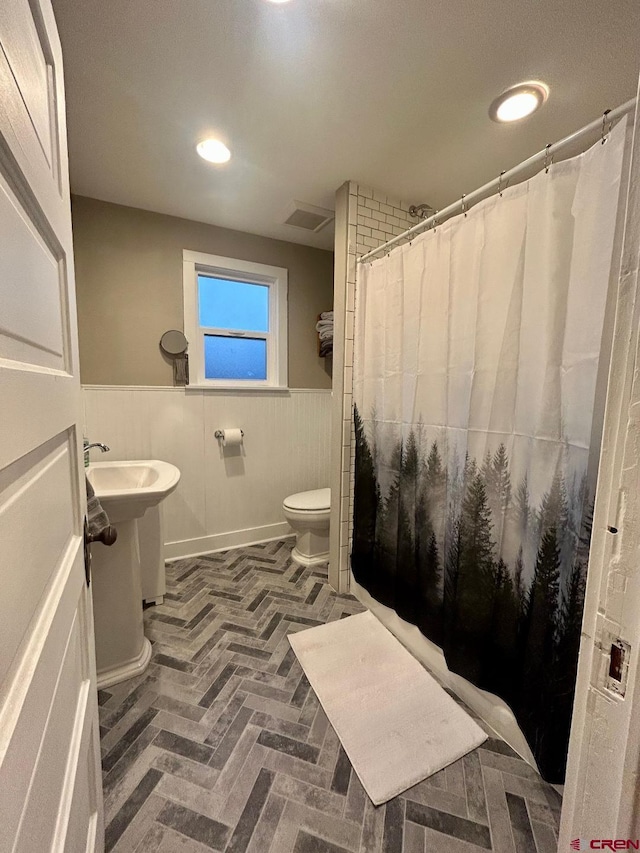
[519, 101]
[278, 1]
[214, 151]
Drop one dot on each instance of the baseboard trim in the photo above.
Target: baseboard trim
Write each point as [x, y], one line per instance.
[223, 541]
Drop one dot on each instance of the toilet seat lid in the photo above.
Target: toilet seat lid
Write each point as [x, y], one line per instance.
[314, 500]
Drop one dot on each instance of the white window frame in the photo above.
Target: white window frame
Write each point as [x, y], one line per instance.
[275, 278]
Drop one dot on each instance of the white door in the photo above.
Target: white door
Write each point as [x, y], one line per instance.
[50, 795]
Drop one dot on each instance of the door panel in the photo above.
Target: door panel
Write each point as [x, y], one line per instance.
[27, 264]
[65, 718]
[83, 828]
[50, 794]
[32, 686]
[33, 422]
[29, 67]
[37, 486]
[61, 811]
[28, 72]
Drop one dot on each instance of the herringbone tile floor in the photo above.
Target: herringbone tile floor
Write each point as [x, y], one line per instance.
[221, 744]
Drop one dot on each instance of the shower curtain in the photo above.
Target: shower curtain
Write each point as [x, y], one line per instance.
[477, 351]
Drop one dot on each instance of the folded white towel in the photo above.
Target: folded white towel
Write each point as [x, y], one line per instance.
[323, 327]
[326, 335]
[326, 315]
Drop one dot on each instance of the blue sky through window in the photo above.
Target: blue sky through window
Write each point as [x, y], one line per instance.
[224, 304]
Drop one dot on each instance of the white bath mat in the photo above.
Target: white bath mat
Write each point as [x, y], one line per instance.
[395, 722]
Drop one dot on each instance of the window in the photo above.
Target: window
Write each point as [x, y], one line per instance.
[235, 315]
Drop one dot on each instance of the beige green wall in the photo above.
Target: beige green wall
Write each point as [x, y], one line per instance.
[129, 290]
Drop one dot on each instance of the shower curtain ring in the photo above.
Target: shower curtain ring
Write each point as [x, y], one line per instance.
[605, 134]
[547, 160]
[464, 206]
[500, 187]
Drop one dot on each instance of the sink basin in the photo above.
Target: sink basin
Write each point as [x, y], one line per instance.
[126, 490]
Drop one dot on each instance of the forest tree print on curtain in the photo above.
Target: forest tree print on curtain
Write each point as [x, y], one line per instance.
[477, 363]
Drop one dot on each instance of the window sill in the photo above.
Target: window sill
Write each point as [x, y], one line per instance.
[278, 389]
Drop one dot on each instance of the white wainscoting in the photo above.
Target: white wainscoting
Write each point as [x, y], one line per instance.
[225, 498]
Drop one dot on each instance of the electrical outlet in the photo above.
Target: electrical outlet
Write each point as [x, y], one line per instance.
[618, 666]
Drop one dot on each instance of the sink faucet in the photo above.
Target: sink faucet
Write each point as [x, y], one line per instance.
[103, 447]
[87, 448]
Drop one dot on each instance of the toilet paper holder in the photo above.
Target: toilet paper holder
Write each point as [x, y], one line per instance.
[219, 433]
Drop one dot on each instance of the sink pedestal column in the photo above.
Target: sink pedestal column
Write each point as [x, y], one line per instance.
[122, 650]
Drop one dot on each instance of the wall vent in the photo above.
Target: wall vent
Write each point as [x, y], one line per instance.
[307, 216]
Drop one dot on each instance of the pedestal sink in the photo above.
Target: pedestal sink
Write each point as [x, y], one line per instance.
[126, 491]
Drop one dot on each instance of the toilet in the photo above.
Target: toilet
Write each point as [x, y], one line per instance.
[308, 515]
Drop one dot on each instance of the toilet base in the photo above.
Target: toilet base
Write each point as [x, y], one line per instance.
[304, 560]
[311, 548]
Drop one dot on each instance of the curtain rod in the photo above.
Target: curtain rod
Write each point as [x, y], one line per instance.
[544, 156]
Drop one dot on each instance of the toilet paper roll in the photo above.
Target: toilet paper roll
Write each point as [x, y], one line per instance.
[231, 437]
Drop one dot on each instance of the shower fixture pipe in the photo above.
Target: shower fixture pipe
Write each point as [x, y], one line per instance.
[500, 183]
[421, 210]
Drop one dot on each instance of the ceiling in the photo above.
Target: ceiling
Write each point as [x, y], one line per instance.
[390, 93]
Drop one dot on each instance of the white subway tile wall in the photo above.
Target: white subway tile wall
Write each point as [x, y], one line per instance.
[373, 218]
[377, 218]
